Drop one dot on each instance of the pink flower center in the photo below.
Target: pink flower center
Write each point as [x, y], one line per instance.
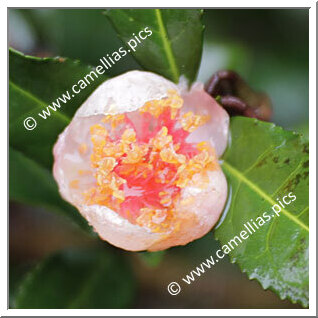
[141, 162]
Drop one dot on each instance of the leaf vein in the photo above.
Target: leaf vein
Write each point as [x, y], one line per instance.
[38, 101]
[167, 46]
[256, 189]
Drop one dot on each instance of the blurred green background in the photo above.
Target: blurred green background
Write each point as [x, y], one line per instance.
[268, 47]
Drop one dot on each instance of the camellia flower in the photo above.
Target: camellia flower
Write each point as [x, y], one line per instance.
[140, 161]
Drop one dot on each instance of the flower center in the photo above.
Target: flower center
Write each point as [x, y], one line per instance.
[141, 164]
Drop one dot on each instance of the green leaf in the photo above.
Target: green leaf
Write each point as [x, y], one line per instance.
[152, 259]
[263, 164]
[32, 184]
[34, 83]
[78, 279]
[173, 49]
[17, 273]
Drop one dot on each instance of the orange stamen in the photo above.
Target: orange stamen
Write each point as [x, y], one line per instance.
[142, 178]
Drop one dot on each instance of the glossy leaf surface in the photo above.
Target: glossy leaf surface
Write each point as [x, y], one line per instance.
[264, 164]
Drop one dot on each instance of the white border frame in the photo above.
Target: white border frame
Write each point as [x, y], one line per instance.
[312, 155]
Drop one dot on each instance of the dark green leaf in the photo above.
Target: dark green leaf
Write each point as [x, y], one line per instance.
[174, 47]
[263, 164]
[32, 184]
[35, 83]
[78, 279]
[17, 273]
